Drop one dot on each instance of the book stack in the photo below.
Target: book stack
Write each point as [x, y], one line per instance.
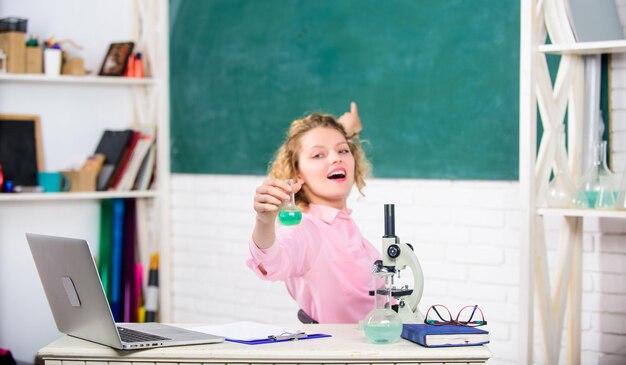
[129, 163]
[444, 336]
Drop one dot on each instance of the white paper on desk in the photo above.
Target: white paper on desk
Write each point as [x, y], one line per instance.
[245, 331]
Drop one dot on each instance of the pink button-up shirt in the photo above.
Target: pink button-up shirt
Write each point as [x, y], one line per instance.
[326, 264]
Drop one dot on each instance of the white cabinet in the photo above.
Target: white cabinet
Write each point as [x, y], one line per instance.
[74, 112]
[562, 296]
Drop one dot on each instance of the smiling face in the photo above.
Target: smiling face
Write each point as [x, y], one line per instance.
[326, 167]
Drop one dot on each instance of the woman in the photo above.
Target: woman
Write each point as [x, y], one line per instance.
[324, 261]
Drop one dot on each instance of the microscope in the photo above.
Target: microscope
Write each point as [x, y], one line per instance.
[397, 256]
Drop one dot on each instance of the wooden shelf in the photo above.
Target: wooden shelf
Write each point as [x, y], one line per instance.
[582, 213]
[96, 195]
[94, 80]
[585, 48]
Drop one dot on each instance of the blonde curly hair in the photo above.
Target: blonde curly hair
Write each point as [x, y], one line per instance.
[285, 162]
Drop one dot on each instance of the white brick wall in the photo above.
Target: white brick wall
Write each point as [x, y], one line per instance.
[467, 245]
[465, 233]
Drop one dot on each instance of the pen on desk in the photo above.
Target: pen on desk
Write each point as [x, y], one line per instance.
[288, 336]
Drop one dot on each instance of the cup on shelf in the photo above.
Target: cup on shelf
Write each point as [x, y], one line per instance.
[53, 182]
[52, 61]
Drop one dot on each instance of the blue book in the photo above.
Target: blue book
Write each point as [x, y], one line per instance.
[444, 336]
[117, 256]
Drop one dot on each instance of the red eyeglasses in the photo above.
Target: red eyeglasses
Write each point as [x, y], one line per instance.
[471, 316]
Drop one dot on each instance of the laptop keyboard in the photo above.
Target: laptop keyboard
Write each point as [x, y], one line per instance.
[128, 335]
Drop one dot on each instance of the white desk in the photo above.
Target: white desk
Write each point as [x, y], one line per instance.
[347, 346]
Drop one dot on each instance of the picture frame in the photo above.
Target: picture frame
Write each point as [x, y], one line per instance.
[21, 152]
[116, 59]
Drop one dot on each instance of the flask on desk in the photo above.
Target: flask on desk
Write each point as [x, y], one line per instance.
[382, 324]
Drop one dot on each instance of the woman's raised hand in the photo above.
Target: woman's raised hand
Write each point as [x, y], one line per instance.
[351, 121]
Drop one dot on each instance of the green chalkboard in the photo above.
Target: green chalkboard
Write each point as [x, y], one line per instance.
[436, 82]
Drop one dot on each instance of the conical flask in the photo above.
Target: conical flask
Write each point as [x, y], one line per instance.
[597, 184]
[290, 214]
[561, 192]
[382, 324]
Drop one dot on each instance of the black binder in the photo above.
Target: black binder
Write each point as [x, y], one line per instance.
[112, 145]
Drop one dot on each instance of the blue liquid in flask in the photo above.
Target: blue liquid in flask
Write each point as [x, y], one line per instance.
[382, 326]
[383, 333]
[290, 217]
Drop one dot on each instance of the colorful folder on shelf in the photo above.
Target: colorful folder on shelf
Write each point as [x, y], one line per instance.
[117, 260]
[106, 245]
[128, 274]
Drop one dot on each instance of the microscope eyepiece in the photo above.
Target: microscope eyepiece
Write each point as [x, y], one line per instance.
[390, 221]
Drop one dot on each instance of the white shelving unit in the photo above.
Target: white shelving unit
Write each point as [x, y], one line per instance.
[560, 301]
[584, 48]
[78, 196]
[583, 213]
[75, 110]
[88, 79]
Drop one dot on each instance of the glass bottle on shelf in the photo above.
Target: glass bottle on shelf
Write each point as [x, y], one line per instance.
[561, 192]
[597, 184]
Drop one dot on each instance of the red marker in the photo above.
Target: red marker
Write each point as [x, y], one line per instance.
[138, 66]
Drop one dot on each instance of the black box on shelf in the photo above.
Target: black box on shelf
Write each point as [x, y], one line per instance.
[13, 24]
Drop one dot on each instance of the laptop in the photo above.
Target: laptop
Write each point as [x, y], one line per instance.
[80, 308]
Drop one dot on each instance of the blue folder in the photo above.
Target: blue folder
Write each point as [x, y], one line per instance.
[255, 333]
[286, 338]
